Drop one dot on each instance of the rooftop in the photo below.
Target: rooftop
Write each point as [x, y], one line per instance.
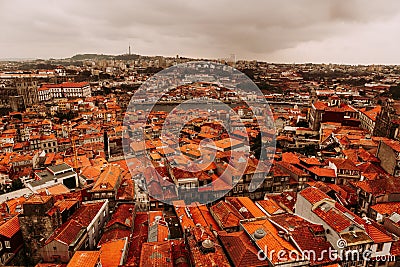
[265, 235]
[240, 249]
[84, 258]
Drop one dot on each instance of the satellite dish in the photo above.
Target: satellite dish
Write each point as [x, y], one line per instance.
[207, 244]
[259, 233]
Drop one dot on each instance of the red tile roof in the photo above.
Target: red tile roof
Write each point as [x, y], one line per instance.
[86, 213]
[290, 158]
[311, 161]
[10, 227]
[114, 234]
[334, 218]
[84, 258]
[246, 207]
[344, 164]
[290, 168]
[226, 214]
[108, 179]
[139, 236]
[201, 215]
[270, 240]
[112, 253]
[156, 254]
[322, 172]
[270, 206]
[380, 186]
[375, 231]
[122, 215]
[307, 235]
[240, 249]
[386, 208]
[66, 233]
[313, 195]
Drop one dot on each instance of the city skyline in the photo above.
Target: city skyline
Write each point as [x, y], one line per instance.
[347, 32]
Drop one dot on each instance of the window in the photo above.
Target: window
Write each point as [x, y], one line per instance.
[379, 247]
[54, 248]
[1, 246]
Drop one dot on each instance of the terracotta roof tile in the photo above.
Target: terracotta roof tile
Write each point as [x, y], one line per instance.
[57, 189]
[86, 213]
[112, 253]
[226, 214]
[269, 239]
[108, 179]
[240, 249]
[84, 258]
[307, 235]
[122, 215]
[201, 215]
[313, 195]
[10, 227]
[139, 236]
[270, 206]
[66, 233]
[156, 254]
[386, 208]
[114, 234]
[246, 207]
[322, 172]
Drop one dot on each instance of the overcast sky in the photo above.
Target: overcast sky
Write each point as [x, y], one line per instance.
[330, 31]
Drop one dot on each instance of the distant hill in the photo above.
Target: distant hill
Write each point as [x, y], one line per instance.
[81, 57]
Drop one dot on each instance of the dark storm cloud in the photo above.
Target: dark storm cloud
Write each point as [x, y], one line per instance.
[251, 29]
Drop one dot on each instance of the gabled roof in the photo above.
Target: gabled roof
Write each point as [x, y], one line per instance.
[344, 164]
[270, 206]
[380, 186]
[201, 215]
[9, 228]
[123, 215]
[375, 231]
[246, 207]
[67, 233]
[156, 254]
[108, 179]
[268, 238]
[84, 258]
[240, 249]
[322, 172]
[386, 208]
[87, 212]
[307, 235]
[112, 253]
[226, 214]
[57, 189]
[313, 195]
[114, 234]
